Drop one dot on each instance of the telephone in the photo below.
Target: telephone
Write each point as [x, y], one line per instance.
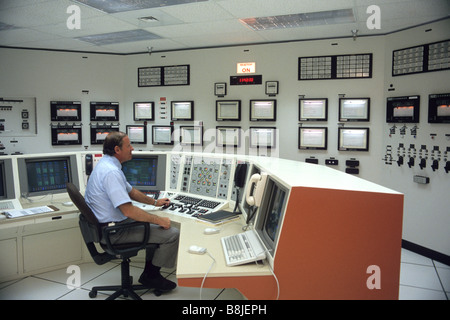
[240, 174]
[259, 180]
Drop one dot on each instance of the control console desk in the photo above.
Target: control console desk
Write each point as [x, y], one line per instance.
[332, 231]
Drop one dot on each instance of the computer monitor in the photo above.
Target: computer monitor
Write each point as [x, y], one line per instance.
[146, 172]
[137, 133]
[270, 217]
[262, 137]
[439, 108]
[182, 110]
[47, 175]
[6, 180]
[104, 111]
[144, 111]
[403, 109]
[313, 109]
[310, 138]
[354, 109]
[65, 110]
[353, 139]
[263, 110]
[162, 135]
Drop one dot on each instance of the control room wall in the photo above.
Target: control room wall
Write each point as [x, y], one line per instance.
[426, 211]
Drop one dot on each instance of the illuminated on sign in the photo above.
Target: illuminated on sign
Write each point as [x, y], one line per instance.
[246, 67]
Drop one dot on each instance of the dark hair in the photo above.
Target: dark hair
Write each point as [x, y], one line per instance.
[112, 140]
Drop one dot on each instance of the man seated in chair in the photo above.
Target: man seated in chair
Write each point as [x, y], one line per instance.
[109, 196]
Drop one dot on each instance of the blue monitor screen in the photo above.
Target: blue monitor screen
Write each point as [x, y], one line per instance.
[141, 172]
[46, 175]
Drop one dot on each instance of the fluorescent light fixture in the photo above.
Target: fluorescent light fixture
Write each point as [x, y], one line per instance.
[119, 37]
[115, 6]
[300, 20]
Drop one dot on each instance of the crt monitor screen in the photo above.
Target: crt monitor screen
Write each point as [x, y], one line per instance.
[146, 172]
[47, 175]
[271, 214]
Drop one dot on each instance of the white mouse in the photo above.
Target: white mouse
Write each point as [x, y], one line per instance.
[211, 231]
[197, 249]
[67, 204]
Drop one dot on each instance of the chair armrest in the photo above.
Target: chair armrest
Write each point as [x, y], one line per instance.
[121, 248]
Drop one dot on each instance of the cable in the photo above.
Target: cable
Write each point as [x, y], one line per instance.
[206, 274]
[276, 279]
[273, 273]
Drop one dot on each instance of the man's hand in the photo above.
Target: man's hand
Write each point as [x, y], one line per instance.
[162, 202]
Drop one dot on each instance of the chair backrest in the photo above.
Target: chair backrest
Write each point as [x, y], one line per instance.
[89, 225]
[78, 199]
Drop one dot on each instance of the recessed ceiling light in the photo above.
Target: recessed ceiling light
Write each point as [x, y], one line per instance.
[119, 37]
[114, 6]
[300, 20]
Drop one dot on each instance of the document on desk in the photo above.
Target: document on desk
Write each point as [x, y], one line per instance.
[30, 211]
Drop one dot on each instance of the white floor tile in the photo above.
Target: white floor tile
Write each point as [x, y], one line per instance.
[31, 288]
[419, 276]
[444, 276]
[414, 293]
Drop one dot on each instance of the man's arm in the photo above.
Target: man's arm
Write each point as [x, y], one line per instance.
[138, 214]
[138, 196]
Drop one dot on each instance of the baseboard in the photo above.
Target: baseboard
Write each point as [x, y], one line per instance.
[426, 252]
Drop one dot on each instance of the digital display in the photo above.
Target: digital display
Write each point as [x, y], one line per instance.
[65, 110]
[182, 110]
[104, 111]
[141, 171]
[353, 139]
[162, 135]
[245, 80]
[228, 136]
[439, 108]
[313, 109]
[137, 134]
[143, 111]
[191, 135]
[354, 109]
[46, 175]
[262, 137]
[403, 109]
[263, 110]
[312, 138]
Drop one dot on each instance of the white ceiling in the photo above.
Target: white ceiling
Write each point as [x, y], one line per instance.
[42, 24]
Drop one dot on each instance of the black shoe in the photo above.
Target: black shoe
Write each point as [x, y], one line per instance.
[158, 283]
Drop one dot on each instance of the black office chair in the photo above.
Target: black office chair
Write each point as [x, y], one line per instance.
[92, 233]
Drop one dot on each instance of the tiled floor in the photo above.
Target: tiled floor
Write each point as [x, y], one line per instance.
[420, 279]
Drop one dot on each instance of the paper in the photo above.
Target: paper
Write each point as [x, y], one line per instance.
[26, 212]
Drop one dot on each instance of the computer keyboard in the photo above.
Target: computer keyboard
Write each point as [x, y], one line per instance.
[242, 248]
[189, 206]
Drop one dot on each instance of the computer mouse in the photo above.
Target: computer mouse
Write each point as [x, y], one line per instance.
[211, 231]
[197, 250]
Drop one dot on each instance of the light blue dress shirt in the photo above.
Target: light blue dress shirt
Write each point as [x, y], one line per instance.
[107, 189]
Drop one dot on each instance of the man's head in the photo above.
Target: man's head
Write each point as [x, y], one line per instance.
[118, 144]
